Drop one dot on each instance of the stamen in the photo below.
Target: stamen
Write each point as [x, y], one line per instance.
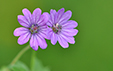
[34, 28]
[57, 28]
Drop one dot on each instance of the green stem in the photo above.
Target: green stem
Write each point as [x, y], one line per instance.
[19, 55]
[32, 59]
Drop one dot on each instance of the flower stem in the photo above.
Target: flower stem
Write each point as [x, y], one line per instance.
[33, 59]
[20, 54]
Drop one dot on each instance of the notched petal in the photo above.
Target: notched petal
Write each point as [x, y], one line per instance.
[36, 15]
[24, 38]
[53, 38]
[43, 19]
[27, 14]
[70, 24]
[65, 17]
[63, 42]
[41, 41]
[69, 39]
[52, 15]
[34, 42]
[69, 32]
[20, 31]
[22, 20]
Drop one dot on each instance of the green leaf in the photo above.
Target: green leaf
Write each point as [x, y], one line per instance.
[19, 66]
[4, 68]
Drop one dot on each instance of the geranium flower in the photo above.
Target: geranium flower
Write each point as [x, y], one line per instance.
[60, 28]
[34, 28]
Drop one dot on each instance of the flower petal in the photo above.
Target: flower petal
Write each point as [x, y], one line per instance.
[43, 19]
[43, 28]
[36, 15]
[69, 32]
[59, 14]
[43, 34]
[69, 39]
[34, 42]
[65, 17]
[41, 41]
[52, 15]
[49, 24]
[54, 38]
[70, 24]
[24, 38]
[27, 14]
[63, 42]
[49, 33]
[20, 31]
[22, 20]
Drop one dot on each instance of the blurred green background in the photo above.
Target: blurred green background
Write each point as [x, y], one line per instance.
[93, 50]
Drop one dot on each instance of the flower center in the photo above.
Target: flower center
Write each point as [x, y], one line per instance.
[34, 28]
[57, 28]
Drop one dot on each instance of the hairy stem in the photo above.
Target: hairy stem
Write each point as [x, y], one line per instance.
[19, 55]
[32, 59]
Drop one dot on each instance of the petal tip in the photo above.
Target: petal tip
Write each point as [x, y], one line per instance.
[34, 48]
[43, 47]
[26, 12]
[76, 24]
[77, 30]
[20, 43]
[69, 12]
[54, 43]
[65, 46]
[51, 10]
[14, 33]
[37, 10]
[72, 42]
[62, 9]
[24, 9]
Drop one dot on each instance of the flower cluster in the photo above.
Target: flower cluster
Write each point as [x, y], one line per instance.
[37, 27]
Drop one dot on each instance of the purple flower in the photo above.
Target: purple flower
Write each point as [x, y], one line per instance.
[60, 28]
[34, 28]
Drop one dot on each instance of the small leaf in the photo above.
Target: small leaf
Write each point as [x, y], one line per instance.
[19, 66]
